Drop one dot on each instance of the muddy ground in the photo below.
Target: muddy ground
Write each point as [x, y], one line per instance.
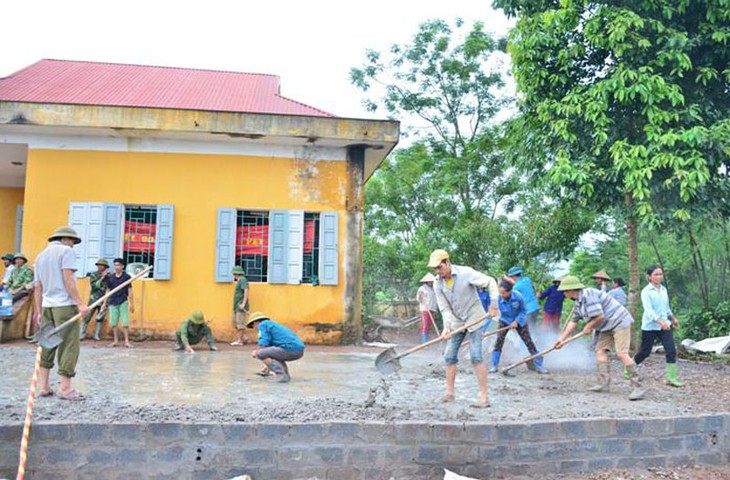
[153, 384]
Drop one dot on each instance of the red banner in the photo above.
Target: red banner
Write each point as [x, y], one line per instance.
[254, 240]
[139, 237]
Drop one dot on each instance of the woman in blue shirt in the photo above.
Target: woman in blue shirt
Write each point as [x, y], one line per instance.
[658, 322]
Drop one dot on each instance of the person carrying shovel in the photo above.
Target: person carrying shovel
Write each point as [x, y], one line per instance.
[192, 331]
[57, 299]
[513, 313]
[456, 294]
[610, 323]
[98, 288]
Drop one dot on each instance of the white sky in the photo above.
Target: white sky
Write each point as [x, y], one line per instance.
[311, 44]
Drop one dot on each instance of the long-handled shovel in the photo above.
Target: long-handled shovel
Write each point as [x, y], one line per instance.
[389, 361]
[486, 334]
[48, 336]
[539, 354]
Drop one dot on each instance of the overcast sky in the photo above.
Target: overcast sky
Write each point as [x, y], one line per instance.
[310, 44]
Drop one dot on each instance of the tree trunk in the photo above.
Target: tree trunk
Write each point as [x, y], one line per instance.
[700, 267]
[632, 234]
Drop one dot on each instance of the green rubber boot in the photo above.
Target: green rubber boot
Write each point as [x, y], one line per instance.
[672, 375]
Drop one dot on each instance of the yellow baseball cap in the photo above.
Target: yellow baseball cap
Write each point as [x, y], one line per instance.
[437, 256]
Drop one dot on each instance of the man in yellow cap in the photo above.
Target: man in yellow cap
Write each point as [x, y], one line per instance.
[456, 294]
[279, 345]
[192, 331]
[56, 297]
[427, 305]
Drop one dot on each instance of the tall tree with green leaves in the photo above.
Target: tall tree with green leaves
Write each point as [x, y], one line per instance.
[625, 105]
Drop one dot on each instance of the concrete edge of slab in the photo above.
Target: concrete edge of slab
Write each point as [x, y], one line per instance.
[360, 450]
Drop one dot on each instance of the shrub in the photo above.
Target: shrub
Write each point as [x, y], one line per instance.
[708, 323]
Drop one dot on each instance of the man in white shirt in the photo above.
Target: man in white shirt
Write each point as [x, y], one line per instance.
[57, 300]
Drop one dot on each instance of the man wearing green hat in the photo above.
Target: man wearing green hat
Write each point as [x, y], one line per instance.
[610, 323]
[192, 331]
[240, 305]
[98, 288]
[278, 345]
[9, 267]
[20, 283]
[57, 300]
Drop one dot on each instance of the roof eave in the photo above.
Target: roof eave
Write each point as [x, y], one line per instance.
[380, 136]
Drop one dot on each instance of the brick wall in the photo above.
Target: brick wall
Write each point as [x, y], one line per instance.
[363, 450]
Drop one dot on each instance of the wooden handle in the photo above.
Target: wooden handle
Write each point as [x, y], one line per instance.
[540, 354]
[101, 300]
[438, 339]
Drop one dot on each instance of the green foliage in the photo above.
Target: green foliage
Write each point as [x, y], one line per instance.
[707, 323]
[453, 187]
[624, 98]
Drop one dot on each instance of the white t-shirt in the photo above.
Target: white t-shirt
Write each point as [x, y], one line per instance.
[49, 268]
[8, 271]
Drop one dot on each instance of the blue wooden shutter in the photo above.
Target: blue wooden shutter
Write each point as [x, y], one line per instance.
[77, 219]
[112, 231]
[163, 242]
[328, 251]
[295, 247]
[278, 233]
[225, 244]
[94, 236]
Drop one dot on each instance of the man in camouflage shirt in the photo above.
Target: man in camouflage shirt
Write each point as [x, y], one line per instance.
[98, 288]
[20, 282]
[192, 331]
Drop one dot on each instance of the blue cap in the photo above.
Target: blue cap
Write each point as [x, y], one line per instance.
[514, 271]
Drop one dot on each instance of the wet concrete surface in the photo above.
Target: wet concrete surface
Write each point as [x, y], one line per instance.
[153, 384]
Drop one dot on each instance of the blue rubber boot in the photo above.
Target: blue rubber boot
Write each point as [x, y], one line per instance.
[495, 361]
[539, 368]
[424, 337]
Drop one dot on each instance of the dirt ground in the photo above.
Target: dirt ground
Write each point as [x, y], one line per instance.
[152, 384]
[663, 473]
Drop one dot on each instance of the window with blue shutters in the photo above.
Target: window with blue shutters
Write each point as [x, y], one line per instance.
[140, 234]
[277, 246]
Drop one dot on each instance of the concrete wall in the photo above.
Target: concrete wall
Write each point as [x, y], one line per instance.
[364, 451]
[197, 185]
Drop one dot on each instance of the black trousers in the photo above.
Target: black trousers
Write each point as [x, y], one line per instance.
[648, 337]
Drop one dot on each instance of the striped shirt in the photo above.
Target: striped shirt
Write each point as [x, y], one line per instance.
[592, 303]
[459, 302]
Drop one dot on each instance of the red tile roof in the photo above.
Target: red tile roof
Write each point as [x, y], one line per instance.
[112, 84]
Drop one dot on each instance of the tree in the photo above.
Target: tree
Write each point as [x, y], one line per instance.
[625, 104]
[452, 187]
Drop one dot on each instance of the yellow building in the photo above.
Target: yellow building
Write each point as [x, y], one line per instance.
[192, 172]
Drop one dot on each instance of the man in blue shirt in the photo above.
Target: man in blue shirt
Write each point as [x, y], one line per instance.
[513, 313]
[280, 345]
[523, 285]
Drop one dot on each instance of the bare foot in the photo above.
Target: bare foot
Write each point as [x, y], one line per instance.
[113, 344]
[128, 345]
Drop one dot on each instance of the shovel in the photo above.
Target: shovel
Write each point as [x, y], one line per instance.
[486, 334]
[538, 354]
[389, 361]
[48, 336]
